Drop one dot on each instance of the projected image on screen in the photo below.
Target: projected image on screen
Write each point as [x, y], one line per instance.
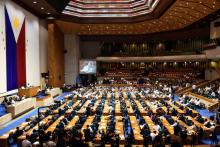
[87, 67]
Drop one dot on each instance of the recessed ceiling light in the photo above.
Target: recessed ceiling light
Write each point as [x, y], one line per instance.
[48, 13]
[34, 2]
[42, 8]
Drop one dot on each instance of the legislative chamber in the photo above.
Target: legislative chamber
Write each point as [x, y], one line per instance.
[100, 73]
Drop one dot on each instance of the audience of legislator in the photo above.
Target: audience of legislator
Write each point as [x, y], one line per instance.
[211, 90]
[119, 115]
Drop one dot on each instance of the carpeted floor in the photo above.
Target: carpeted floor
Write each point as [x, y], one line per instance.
[205, 112]
[62, 96]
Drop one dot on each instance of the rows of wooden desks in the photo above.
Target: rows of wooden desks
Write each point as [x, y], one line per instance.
[117, 108]
[152, 105]
[4, 137]
[72, 122]
[102, 126]
[194, 112]
[109, 96]
[189, 129]
[167, 125]
[61, 107]
[176, 108]
[73, 106]
[124, 94]
[83, 108]
[116, 95]
[140, 107]
[129, 108]
[149, 122]
[52, 127]
[136, 130]
[119, 128]
[29, 132]
[88, 122]
[106, 108]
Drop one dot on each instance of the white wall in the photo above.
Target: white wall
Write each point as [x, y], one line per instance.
[213, 53]
[211, 74]
[214, 31]
[32, 44]
[2, 50]
[43, 47]
[71, 58]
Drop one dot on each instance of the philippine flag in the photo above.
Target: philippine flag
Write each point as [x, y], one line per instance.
[15, 49]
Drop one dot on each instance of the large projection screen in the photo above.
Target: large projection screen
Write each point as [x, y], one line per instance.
[87, 67]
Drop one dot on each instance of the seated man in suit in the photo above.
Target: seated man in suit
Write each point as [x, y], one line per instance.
[61, 125]
[87, 133]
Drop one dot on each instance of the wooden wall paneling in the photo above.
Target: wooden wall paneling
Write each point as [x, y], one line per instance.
[55, 56]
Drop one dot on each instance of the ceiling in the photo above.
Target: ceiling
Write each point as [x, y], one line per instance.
[176, 14]
[115, 10]
[110, 8]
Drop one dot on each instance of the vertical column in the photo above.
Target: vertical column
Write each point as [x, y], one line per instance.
[55, 56]
[72, 56]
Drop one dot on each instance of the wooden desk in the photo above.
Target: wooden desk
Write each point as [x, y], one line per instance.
[194, 112]
[125, 95]
[95, 105]
[117, 108]
[102, 126]
[106, 108]
[53, 126]
[133, 95]
[149, 122]
[176, 108]
[209, 103]
[129, 108]
[140, 107]
[116, 96]
[119, 129]
[83, 108]
[61, 107]
[167, 125]
[136, 130]
[88, 122]
[72, 122]
[152, 107]
[4, 137]
[100, 95]
[73, 106]
[28, 92]
[109, 96]
[200, 125]
[29, 132]
[183, 124]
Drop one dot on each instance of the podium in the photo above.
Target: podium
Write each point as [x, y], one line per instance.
[28, 92]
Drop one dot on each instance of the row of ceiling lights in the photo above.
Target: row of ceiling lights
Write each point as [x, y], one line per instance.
[173, 16]
[42, 8]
